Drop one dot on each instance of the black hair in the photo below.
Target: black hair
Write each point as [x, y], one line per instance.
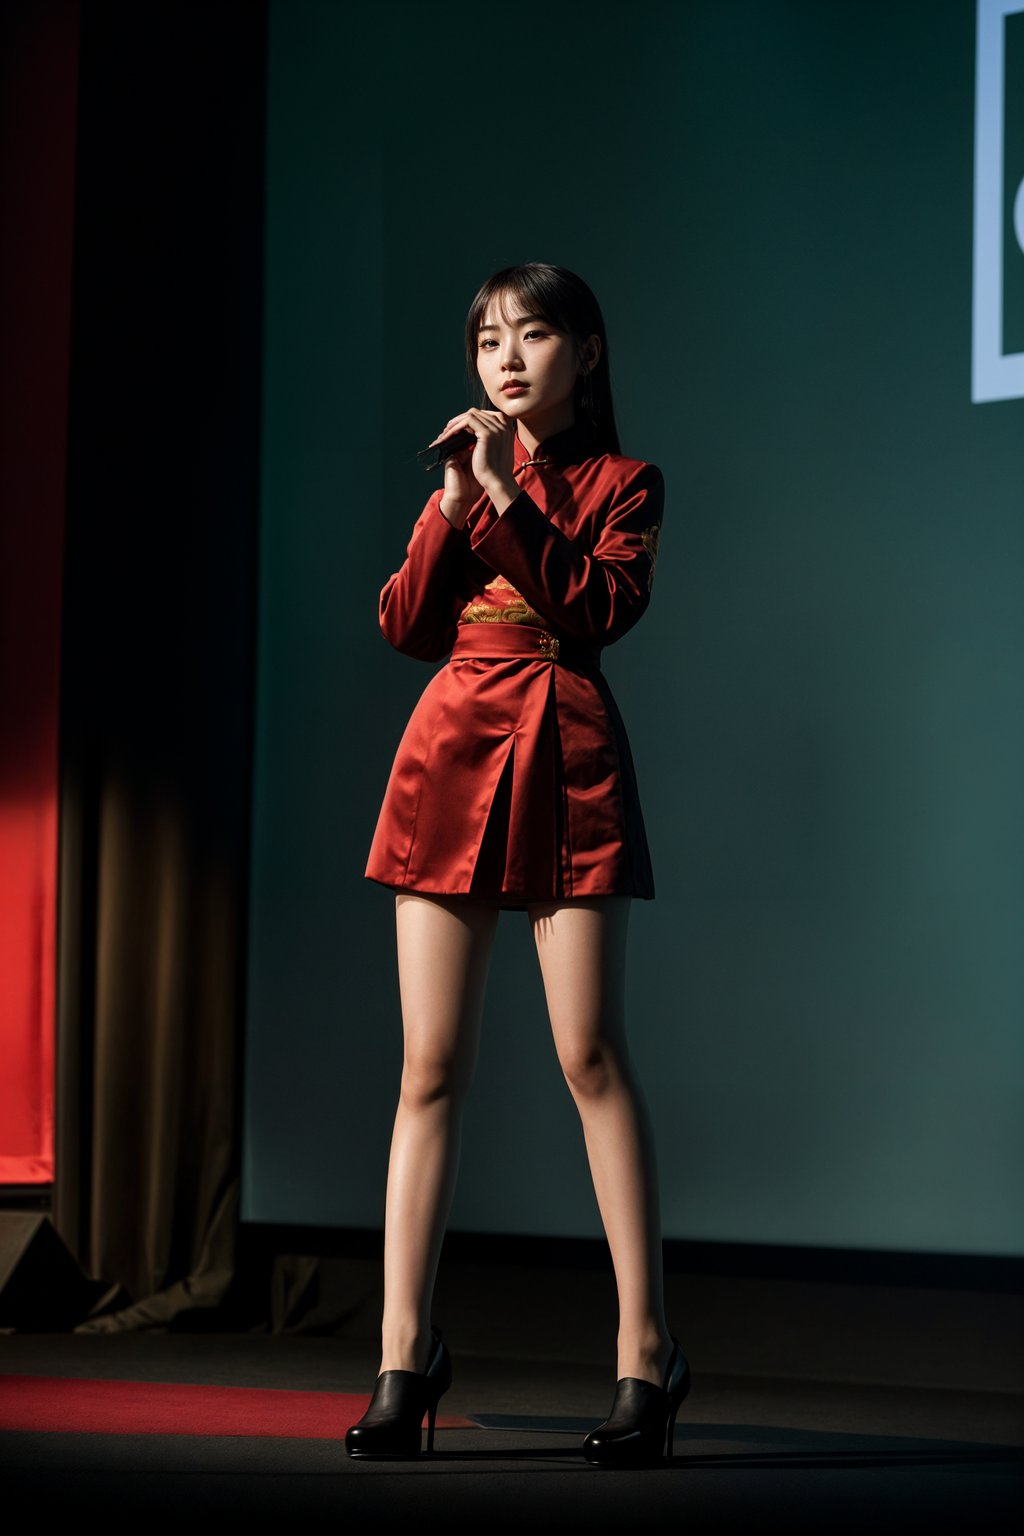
[568, 305]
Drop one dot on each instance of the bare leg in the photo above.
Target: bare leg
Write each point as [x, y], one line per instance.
[581, 946]
[444, 951]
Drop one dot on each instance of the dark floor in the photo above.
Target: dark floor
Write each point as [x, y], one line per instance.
[814, 1408]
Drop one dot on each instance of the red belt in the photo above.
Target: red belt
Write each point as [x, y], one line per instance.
[496, 638]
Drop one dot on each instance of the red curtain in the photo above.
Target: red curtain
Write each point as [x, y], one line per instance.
[39, 43]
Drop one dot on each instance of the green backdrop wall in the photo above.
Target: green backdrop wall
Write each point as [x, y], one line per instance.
[773, 202]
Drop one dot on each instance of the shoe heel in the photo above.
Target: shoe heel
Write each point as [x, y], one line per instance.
[670, 1434]
[431, 1416]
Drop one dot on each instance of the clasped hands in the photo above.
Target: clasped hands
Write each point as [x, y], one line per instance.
[484, 469]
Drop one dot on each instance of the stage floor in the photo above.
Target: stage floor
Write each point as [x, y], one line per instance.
[815, 1407]
[753, 1452]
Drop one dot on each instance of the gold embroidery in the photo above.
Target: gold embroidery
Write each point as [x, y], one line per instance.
[650, 538]
[518, 612]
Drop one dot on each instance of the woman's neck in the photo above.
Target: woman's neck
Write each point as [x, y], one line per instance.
[531, 434]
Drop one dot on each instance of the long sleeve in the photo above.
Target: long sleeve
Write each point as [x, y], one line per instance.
[597, 589]
[419, 604]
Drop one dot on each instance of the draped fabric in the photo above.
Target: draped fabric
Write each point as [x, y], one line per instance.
[38, 84]
[158, 650]
[517, 746]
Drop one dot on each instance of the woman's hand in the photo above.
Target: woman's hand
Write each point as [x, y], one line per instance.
[484, 468]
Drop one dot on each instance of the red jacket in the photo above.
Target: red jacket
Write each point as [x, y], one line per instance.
[514, 778]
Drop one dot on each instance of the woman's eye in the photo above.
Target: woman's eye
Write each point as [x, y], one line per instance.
[489, 341]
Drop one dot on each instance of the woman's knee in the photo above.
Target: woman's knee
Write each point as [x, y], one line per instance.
[591, 1066]
[430, 1078]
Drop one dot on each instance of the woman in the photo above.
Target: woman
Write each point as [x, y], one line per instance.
[513, 787]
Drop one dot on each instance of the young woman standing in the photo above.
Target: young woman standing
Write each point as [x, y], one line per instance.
[514, 787]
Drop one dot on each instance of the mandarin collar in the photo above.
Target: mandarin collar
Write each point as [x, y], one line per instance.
[570, 446]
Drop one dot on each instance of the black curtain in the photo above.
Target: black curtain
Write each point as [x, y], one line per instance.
[158, 643]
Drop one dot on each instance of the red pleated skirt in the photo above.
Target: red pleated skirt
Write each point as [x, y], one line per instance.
[514, 779]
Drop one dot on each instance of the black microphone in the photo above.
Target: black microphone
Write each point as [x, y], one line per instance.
[461, 439]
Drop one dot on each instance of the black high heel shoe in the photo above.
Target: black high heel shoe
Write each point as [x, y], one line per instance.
[392, 1424]
[643, 1418]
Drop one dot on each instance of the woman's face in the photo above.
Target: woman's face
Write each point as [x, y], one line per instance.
[529, 351]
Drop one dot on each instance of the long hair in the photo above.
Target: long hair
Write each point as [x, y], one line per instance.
[568, 305]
